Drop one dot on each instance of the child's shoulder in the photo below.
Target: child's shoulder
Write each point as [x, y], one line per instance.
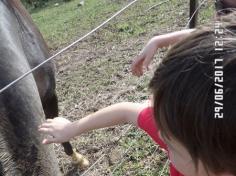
[147, 123]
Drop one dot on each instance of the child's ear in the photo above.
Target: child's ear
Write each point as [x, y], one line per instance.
[151, 100]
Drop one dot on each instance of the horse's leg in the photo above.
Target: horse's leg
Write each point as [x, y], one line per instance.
[193, 14]
[50, 106]
[77, 158]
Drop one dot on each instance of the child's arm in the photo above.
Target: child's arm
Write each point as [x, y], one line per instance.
[143, 60]
[63, 130]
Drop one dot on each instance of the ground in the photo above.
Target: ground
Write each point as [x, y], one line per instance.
[96, 73]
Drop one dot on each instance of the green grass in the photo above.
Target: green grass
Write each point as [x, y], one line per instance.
[97, 70]
[68, 21]
[142, 148]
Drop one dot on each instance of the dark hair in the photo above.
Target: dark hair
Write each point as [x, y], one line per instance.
[223, 8]
[183, 94]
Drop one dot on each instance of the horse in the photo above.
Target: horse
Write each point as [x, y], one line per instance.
[24, 105]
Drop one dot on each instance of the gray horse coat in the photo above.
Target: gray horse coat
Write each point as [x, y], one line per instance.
[21, 111]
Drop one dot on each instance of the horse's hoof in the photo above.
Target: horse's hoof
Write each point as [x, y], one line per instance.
[80, 160]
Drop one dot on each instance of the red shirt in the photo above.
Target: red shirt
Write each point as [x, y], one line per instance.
[147, 123]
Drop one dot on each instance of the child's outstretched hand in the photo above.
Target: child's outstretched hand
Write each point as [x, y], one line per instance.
[57, 130]
[143, 60]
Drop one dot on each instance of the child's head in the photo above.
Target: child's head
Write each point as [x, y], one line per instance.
[184, 88]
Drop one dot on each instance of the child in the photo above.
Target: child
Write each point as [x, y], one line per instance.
[180, 117]
[143, 60]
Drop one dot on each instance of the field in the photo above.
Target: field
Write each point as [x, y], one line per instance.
[96, 73]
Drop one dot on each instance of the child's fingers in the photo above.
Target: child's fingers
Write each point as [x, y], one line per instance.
[137, 65]
[45, 131]
[48, 140]
[147, 62]
[49, 120]
[45, 125]
[137, 71]
[134, 66]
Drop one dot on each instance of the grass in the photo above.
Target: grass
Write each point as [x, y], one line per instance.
[96, 73]
[65, 22]
[68, 21]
